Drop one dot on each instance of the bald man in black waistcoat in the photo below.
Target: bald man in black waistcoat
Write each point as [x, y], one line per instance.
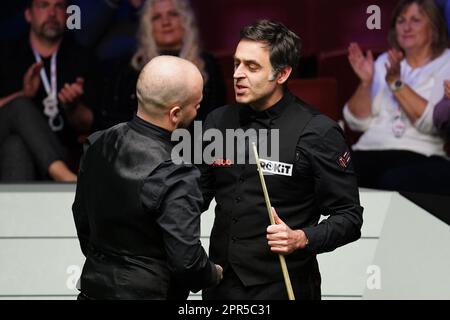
[137, 213]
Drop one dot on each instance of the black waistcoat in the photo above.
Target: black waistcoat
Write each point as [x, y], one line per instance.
[126, 258]
[238, 237]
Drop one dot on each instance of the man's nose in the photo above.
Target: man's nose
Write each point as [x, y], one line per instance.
[52, 11]
[238, 72]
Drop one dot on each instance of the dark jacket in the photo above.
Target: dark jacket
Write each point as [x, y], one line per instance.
[137, 216]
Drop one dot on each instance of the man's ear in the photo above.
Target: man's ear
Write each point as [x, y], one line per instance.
[283, 75]
[27, 15]
[175, 115]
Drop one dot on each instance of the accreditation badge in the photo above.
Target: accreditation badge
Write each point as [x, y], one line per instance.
[398, 126]
[50, 106]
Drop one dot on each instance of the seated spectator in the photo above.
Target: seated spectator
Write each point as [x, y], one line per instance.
[441, 116]
[394, 102]
[43, 72]
[167, 27]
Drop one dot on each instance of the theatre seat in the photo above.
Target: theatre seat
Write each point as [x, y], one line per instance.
[318, 92]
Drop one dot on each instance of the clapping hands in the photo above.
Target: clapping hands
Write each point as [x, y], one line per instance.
[393, 69]
[32, 80]
[362, 65]
[71, 93]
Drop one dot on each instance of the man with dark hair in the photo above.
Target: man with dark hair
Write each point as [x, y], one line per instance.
[53, 75]
[283, 44]
[320, 179]
[137, 213]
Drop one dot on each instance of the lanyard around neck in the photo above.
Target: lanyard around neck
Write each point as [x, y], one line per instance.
[51, 90]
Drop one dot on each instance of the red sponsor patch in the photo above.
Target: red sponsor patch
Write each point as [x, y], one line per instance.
[344, 160]
[222, 163]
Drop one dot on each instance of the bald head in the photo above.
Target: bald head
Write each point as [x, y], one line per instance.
[165, 82]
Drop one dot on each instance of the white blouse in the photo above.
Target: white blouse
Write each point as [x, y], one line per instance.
[421, 136]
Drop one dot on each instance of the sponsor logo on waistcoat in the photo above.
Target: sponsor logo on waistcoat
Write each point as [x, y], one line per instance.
[277, 168]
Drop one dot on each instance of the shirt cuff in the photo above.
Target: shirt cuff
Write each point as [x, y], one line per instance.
[425, 123]
[313, 242]
[356, 124]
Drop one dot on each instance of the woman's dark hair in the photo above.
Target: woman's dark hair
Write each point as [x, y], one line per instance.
[439, 29]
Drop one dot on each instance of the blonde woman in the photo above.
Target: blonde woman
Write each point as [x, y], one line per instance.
[167, 27]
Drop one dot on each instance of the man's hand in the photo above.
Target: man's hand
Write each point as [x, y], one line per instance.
[393, 70]
[219, 270]
[282, 239]
[32, 80]
[71, 93]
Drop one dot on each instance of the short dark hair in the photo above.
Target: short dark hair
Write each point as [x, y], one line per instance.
[439, 40]
[284, 45]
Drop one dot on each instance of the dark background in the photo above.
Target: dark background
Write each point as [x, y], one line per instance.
[322, 24]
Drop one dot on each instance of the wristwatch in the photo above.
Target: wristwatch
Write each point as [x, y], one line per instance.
[396, 85]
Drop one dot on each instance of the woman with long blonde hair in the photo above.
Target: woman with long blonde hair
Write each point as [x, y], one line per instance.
[166, 27]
